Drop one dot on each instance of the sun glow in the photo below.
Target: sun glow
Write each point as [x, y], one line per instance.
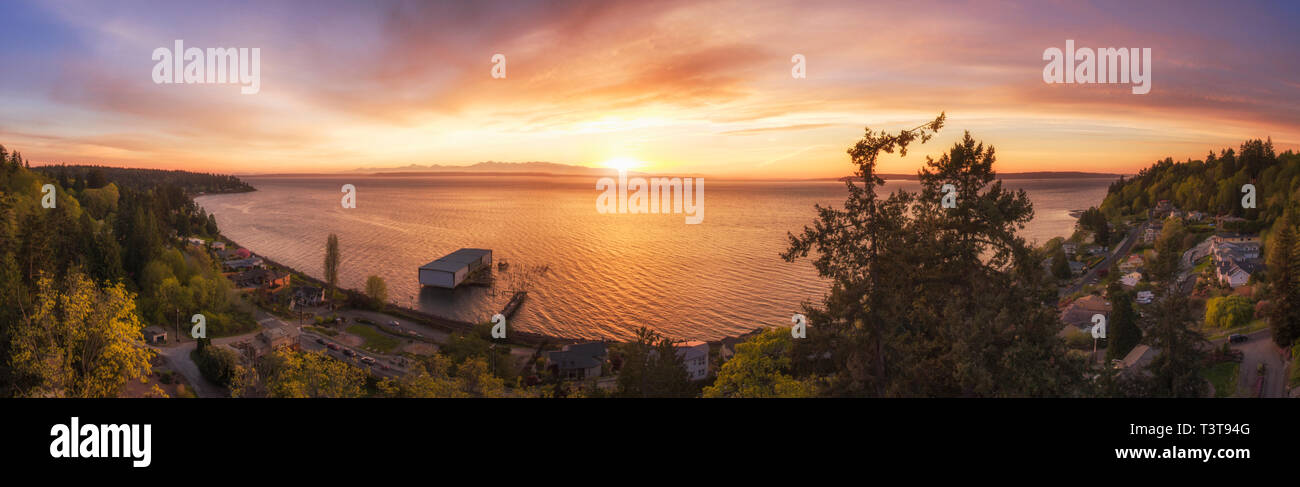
[623, 163]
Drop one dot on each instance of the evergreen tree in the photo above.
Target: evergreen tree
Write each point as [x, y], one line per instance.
[1284, 283]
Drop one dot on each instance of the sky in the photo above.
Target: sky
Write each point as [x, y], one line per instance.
[691, 87]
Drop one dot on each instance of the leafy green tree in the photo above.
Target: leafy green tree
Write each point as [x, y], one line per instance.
[79, 340]
[760, 368]
[1226, 312]
[311, 374]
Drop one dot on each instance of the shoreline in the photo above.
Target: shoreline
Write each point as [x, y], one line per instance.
[449, 325]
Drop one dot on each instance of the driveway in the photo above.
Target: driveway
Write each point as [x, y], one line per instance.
[1259, 348]
[178, 355]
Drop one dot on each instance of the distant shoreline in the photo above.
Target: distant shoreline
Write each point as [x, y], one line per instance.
[888, 177]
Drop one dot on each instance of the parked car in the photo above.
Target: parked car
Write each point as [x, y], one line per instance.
[368, 360]
[1238, 338]
[394, 323]
[331, 346]
[320, 341]
[414, 333]
[349, 352]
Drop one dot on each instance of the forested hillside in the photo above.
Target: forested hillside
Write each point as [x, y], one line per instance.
[80, 280]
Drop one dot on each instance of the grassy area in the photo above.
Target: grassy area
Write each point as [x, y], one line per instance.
[322, 331]
[375, 340]
[1224, 377]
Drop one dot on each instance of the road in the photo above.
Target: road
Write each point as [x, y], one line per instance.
[395, 365]
[1257, 349]
[1092, 274]
[178, 356]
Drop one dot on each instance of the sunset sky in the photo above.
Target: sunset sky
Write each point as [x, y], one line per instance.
[701, 87]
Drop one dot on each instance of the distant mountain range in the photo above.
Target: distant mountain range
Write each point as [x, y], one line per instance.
[536, 167]
[552, 168]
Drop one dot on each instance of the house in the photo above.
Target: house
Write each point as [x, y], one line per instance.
[1163, 209]
[1152, 232]
[1138, 358]
[1234, 237]
[1131, 279]
[155, 335]
[1195, 216]
[1220, 220]
[1076, 267]
[1079, 313]
[1070, 248]
[1145, 297]
[242, 264]
[219, 245]
[1132, 263]
[578, 361]
[307, 296]
[195, 241]
[1235, 273]
[263, 279]
[695, 356]
[277, 338]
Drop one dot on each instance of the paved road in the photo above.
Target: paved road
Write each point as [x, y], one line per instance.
[178, 355]
[1119, 251]
[1257, 349]
[307, 340]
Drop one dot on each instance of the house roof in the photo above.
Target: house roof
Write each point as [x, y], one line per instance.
[457, 260]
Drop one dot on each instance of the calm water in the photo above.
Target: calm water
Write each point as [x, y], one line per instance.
[607, 274]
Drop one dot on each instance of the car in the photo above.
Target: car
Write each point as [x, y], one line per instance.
[368, 360]
[331, 346]
[384, 367]
[320, 341]
[1237, 338]
[349, 352]
[394, 323]
[413, 333]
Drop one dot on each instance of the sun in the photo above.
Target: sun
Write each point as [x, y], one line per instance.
[623, 163]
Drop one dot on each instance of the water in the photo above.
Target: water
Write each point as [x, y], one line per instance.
[608, 274]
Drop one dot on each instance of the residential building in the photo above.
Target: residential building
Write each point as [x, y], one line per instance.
[1131, 279]
[695, 356]
[1070, 248]
[155, 335]
[1079, 312]
[261, 279]
[243, 264]
[578, 361]
[307, 296]
[1132, 263]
